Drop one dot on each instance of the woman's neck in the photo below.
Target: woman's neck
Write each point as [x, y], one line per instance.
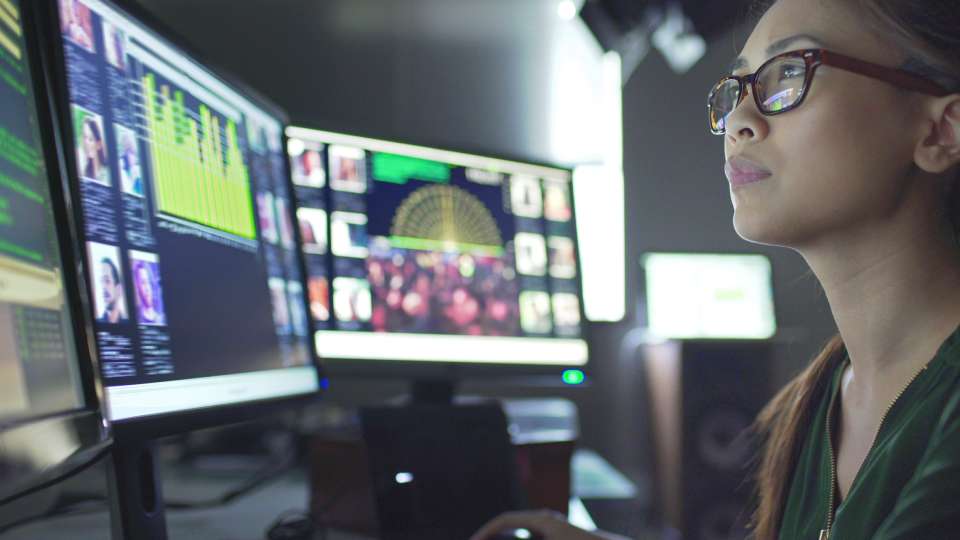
[894, 290]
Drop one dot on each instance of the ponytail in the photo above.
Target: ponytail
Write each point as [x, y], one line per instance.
[782, 426]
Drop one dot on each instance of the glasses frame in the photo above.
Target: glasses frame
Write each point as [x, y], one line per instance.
[814, 58]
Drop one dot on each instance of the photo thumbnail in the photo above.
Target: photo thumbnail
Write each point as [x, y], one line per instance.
[351, 299]
[348, 234]
[566, 310]
[318, 293]
[563, 259]
[531, 254]
[281, 311]
[535, 312]
[313, 229]
[556, 200]
[147, 290]
[76, 23]
[267, 216]
[115, 46]
[285, 223]
[306, 162]
[348, 169]
[106, 273]
[91, 145]
[526, 198]
[128, 161]
[298, 317]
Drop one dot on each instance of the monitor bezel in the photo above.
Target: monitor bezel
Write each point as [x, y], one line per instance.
[525, 374]
[167, 423]
[643, 313]
[83, 426]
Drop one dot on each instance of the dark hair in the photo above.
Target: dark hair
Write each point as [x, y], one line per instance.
[113, 268]
[101, 154]
[929, 33]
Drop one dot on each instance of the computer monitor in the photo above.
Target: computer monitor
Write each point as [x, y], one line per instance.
[48, 405]
[419, 256]
[184, 206]
[709, 296]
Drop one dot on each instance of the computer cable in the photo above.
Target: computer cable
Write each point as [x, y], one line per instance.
[294, 525]
[75, 508]
[93, 456]
[269, 473]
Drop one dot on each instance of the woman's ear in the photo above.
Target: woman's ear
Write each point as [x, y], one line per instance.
[939, 150]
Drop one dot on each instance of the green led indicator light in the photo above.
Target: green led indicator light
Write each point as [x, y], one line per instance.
[573, 377]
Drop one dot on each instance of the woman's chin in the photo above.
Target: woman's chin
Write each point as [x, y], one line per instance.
[760, 230]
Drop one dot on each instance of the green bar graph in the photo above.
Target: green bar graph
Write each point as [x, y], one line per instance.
[199, 175]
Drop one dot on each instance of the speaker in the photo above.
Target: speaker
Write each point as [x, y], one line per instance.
[703, 397]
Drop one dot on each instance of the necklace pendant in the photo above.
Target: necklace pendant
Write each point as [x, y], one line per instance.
[825, 534]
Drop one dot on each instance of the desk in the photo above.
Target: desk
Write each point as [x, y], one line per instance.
[249, 517]
[245, 519]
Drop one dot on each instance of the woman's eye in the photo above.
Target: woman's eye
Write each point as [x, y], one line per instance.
[791, 72]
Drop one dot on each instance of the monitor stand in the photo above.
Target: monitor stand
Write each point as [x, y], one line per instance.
[432, 392]
[136, 492]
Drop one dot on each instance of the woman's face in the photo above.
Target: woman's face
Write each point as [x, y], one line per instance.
[144, 287]
[129, 148]
[66, 12]
[840, 161]
[91, 146]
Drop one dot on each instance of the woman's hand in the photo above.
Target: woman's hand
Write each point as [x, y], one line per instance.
[548, 524]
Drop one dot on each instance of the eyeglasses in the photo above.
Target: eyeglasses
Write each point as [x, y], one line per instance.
[781, 83]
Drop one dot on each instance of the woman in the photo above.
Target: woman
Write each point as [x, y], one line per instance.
[131, 176]
[853, 163]
[94, 153]
[72, 24]
[146, 295]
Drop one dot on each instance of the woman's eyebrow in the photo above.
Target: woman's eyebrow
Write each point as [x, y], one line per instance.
[777, 47]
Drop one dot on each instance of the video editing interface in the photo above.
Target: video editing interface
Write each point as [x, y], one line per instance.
[426, 255]
[194, 269]
[38, 358]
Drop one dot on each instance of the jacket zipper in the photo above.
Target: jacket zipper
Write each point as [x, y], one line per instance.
[825, 533]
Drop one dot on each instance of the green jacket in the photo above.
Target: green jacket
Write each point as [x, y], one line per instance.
[908, 487]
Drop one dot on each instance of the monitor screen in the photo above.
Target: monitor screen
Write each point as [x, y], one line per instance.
[38, 354]
[419, 254]
[195, 276]
[707, 296]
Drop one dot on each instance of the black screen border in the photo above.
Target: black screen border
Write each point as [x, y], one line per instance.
[153, 426]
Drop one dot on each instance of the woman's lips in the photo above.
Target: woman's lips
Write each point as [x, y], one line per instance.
[741, 171]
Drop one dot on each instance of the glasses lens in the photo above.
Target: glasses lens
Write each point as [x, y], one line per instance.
[722, 101]
[780, 83]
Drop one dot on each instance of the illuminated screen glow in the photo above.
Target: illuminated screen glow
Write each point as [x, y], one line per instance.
[436, 256]
[39, 374]
[705, 296]
[196, 284]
